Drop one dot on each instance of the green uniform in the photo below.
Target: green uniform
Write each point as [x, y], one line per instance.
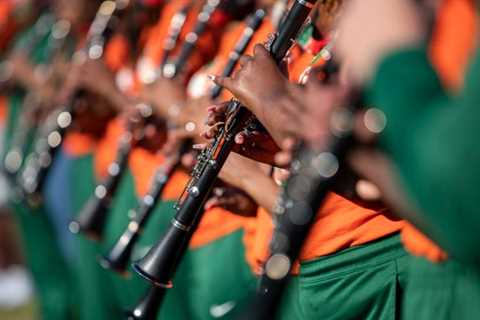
[48, 266]
[362, 282]
[443, 291]
[433, 141]
[95, 300]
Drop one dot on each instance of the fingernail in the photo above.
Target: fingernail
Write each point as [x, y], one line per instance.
[211, 77]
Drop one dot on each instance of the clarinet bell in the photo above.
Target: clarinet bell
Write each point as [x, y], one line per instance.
[92, 218]
[148, 307]
[119, 256]
[158, 264]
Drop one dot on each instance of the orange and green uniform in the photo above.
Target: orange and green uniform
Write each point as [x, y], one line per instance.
[439, 286]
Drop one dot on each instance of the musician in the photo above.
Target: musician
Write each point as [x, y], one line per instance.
[427, 137]
[349, 240]
[145, 157]
[420, 300]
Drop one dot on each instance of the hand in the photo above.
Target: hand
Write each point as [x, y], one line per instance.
[255, 145]
[233, 200]
[166, 95]
[94, 76]
[371, 29]
[258, 83]
[191, 117]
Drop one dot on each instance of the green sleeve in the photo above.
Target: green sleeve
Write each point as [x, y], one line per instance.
[433, 139]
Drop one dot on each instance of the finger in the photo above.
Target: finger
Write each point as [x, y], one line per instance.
[260, 51]
[225, 82]
[188, 160]
[199, 146]
[212, 202]
[244, 60]
[240, 138]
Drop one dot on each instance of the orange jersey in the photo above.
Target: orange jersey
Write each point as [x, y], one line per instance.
[452, 44]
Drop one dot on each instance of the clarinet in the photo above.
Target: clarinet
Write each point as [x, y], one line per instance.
[313, 174]
[32, 178]
[119, 256]
[159, 264]
[14, 157]
[93, 216]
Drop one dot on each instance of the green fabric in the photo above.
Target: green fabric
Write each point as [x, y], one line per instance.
[443, 291]
[49, 270]
[220, 280]
[92, 283]
[364, 282]
[433, 140]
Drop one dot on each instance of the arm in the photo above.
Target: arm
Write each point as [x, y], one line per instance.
[251, 177]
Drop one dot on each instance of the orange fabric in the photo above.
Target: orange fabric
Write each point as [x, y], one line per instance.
[3, 109]
[7, 24]
[419, 245]
[453, 43]
[107, 147]
[144, 164]
[117, 52]
[340, 224]
[216, 223]
[5, 9]
[206, 46]
[78, 144]
[454, 40]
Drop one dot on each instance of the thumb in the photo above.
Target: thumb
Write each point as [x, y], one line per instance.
[224, 82]
[260, 51]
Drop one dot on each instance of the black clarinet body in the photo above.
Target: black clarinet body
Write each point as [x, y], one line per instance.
[37, 167]
[159, 265]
